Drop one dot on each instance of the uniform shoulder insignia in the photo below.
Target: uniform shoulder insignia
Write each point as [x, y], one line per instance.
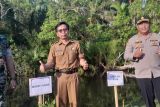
[134, 38]
[75, 41]
[155, 34]
[55, 43]
[52, 44]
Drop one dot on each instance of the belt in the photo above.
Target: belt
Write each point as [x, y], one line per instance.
[67, 71]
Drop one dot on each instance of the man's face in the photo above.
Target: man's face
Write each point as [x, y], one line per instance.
[62, 32]
[143, 28]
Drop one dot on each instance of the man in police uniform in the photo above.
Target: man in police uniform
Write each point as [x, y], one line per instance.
[144, 50]
[65, 56]
[6, 63]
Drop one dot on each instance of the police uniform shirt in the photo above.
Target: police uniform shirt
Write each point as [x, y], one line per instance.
[149, 63]
[65, 56]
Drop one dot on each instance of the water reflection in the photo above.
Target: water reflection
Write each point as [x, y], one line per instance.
[93, 93]
[20, 96]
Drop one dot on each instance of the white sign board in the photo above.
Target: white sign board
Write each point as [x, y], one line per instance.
[40, 86]
[115, 78]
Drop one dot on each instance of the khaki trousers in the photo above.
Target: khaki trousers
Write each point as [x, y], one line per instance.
[67, 90]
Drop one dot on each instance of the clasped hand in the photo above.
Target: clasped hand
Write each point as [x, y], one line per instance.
[138, 53]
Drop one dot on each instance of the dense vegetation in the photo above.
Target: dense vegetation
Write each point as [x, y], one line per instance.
[102, 26]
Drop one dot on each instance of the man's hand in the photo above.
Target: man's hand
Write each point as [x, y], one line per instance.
[84, 64]
[42, 67]
[158, 51]
[138, 53]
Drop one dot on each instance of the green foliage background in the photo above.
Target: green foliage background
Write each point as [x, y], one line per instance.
[102, 26]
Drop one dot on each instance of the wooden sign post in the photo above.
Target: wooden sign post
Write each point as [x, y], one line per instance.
[115, 78]
[40, 100]
[116, 96]
[40, 86]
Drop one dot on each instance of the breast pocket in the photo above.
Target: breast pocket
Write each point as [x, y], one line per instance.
[73, 54]
[58, 53]
[59, 57]
[154, 44]
[138, 45]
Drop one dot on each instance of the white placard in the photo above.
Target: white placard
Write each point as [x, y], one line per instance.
[40, 86]
[115, 78]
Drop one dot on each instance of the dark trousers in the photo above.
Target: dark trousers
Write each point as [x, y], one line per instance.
[150, 88]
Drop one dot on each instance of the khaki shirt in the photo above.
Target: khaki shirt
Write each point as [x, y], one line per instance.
[150, 62]
[65, 56]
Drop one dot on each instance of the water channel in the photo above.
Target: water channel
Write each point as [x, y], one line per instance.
[93, 92]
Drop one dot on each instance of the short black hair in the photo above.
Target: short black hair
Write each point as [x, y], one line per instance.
[61, 23]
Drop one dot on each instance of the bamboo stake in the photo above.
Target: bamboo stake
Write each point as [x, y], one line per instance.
[123, 103]
[116, 96]
[40, 100]
[43, 99]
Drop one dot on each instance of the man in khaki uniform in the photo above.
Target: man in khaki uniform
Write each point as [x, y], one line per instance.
[144, 50]
[65, 56]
